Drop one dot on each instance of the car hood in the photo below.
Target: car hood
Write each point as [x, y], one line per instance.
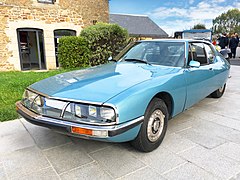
[98, 84]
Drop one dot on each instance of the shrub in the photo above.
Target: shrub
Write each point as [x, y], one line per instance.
[104, 40]
[73, 52]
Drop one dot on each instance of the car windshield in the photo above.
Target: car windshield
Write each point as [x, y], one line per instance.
[159, 53]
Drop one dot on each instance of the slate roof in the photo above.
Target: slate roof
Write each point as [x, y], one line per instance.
[138, 25]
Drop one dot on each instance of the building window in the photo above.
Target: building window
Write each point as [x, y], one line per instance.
[47, 1]
[58, 33]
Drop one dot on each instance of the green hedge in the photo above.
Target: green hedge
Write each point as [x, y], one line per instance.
[104, 40]
[73, 52]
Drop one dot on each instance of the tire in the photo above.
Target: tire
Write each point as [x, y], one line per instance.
[154, 126]
[219, 92]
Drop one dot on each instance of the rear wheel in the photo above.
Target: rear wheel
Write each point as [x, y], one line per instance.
[154, 126]
[219, 92]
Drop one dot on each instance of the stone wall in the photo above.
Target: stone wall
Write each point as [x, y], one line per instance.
[4, 40]
[89, 9]
[71, 14]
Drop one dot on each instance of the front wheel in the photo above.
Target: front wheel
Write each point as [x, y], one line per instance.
[154, 126]
[219, 92]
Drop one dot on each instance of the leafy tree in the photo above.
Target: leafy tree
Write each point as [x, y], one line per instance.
[227, 22]
[199, 26]
[104, 40]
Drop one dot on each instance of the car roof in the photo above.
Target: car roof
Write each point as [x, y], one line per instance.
[174, 40]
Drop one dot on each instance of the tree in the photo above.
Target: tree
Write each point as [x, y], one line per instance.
[199, 26]
[227, 22]
[104, 40]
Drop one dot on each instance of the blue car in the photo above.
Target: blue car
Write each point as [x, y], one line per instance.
[133, 96]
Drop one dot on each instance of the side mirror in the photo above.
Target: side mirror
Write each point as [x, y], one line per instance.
[110, 58]
[193, 63]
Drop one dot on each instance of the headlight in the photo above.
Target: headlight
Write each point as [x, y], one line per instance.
[78, 111]
[92, 111]
[29, 95]
[28, 98]
[31, 99]
[94, 114]
[107, 113]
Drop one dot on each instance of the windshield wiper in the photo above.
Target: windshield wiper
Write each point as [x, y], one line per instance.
[137, 60]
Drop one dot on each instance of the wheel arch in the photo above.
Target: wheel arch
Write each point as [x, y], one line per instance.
[167, 98]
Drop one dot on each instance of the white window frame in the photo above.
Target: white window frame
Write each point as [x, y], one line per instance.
[46, 1]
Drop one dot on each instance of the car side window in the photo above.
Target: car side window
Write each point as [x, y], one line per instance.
[190, 55]
[210, 53]
[198, 53]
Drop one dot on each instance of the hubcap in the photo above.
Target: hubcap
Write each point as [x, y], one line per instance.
[155, 125]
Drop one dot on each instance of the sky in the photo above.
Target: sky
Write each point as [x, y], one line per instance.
[175, 15]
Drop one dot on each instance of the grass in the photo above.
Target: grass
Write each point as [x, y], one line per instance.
[12, 85]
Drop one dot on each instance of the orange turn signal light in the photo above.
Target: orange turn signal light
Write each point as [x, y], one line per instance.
[82, 131]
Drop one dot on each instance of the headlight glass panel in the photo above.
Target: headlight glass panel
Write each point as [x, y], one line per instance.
[94, 114]
[70, 111]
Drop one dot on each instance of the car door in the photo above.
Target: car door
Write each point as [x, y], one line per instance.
[217, 65]
[199, 80]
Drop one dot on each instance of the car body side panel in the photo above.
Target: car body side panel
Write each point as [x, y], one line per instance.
[133, 102]
[199, 83]
[205, 79]
[221, 71]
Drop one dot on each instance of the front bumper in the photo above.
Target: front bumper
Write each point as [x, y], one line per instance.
[64, 126]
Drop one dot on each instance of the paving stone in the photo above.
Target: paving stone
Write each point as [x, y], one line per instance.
[205, 103]
[176, 143]
[228, 122]
[44, 137]
[174, 126]
[199, 113]
[161, 159]
[117, 161]
[11, 127]
[2, 173]
[221, 107]
[230, 150]
[23, 162]
[66, 157]
[181, 118]
[15, 141]
[144, 173]
[233, 137]
[88, 171]
[236, 177]
[180, 122]
[44, 174]
[216, 164]
[189, 171]
[230, 113]
[202, 139]
[89, 145]
[211, 128]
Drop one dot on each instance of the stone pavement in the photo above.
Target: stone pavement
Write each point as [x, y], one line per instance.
[235, 61]
[201, 143]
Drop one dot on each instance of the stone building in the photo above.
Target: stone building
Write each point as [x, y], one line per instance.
[30, 29]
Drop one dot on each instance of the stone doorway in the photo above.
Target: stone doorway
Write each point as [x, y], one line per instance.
[31, 49]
